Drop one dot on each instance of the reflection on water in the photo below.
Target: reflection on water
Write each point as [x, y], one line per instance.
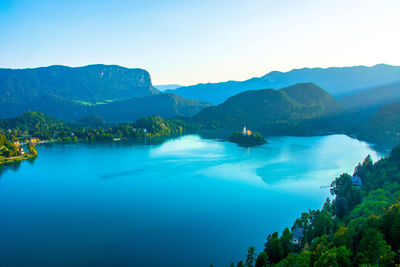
[118, 203]
[14, 166]
[245, 171]
[314, 164]
[190, 146]
[136, 171]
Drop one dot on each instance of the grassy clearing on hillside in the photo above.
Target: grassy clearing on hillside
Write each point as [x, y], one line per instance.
[95, 103]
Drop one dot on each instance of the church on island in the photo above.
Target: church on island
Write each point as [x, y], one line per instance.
[246, 131]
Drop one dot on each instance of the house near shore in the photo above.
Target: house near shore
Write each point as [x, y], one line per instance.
[297, 236]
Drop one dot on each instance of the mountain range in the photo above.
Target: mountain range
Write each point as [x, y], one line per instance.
[117, 93]
[306, 109]
[102, 94]
[337, 81]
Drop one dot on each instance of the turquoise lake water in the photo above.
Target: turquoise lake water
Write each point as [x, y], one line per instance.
[186, 202]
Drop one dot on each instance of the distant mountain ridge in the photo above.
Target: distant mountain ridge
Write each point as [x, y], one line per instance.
[372, 99]
[164, 87]
[335, 80]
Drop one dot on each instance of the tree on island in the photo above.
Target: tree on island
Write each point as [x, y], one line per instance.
[32, 149]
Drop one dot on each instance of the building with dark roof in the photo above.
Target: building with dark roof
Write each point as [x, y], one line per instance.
[297, 236]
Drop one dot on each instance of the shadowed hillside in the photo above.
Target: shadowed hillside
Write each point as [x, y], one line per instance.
[383, 127]
[166, 105]
[372, 99]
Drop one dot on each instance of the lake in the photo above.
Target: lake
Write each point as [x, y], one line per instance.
[186, 202]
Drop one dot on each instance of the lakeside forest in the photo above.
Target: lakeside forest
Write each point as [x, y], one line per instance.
[359, 226]
[33, 128]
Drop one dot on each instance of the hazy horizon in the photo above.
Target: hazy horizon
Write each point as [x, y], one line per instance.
[187, 42]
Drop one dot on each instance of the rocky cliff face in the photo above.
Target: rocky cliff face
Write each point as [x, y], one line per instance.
[22, 88]
[90, 83]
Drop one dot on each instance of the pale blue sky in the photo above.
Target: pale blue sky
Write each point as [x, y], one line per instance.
[187, 42]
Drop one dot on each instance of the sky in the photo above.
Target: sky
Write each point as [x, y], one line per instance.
[189, 42]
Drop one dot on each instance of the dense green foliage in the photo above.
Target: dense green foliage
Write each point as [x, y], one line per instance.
[34, 124]
[337, 81]
[32, 149]
[25, 128]
[359, 227]
[272, 112]
[10, 152]
[92, 121]
[7, 148]
[247, 140]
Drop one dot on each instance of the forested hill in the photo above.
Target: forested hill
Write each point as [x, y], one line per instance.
[33, 121]
[271, 111]
[359, 227]
[336, 80]
[38, 125]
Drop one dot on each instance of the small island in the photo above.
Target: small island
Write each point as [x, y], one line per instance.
[247, 138]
